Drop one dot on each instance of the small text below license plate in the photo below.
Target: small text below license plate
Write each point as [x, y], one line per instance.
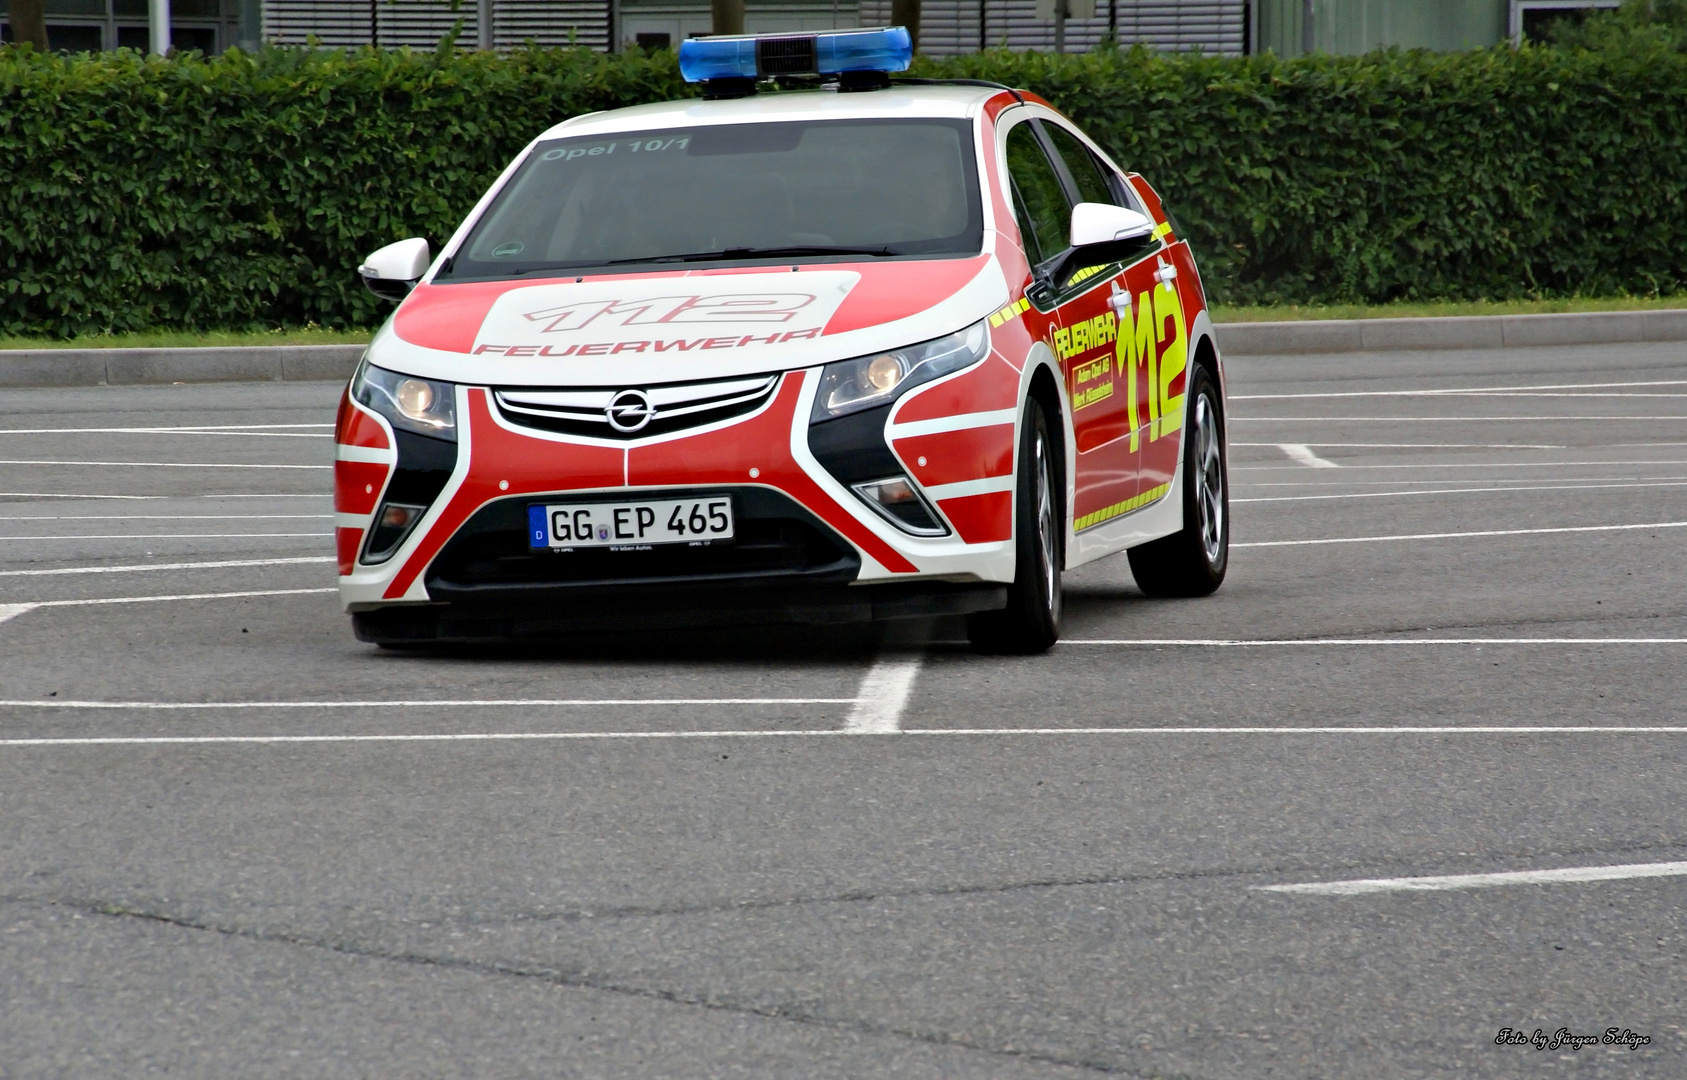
[630, 524]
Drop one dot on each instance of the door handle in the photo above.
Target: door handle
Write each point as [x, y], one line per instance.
[1120, 302]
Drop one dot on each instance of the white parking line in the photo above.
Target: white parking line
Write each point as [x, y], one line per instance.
[801, 733]
[321, 535]
[1227, 643]
[418, 703]
[164, 464]
[1453, 491]
[1301, 454]
[1433, 446]
[1465, 391]
[98, 601]
[241, 433]
[1474, 465]
[12, 611]
[73, 495]
[884, 694]
[1457, 535]
[163, 517]
[1434, 419]
[886, 687]
[1361, 887]
[152, 430]
[1354, 482]
[214, 565]
[63, 495]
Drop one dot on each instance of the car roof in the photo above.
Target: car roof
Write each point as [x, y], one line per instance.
[943, 101]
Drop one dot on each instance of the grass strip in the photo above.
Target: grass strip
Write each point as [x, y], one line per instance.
[1223, 313]
[188, 339]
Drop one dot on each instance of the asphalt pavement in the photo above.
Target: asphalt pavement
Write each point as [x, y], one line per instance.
[1447, 663]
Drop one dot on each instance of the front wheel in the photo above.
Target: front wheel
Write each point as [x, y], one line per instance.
[1031, 621]
[1192, 562]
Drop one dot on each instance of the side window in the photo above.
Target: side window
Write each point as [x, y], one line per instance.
[1023, 218]
[1090, 177]
[1046, 213]
[1096, 180]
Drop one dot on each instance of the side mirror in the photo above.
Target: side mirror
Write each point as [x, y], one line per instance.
[393, 271]
[1103, 223]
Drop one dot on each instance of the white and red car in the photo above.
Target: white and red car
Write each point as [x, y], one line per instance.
[852, 353]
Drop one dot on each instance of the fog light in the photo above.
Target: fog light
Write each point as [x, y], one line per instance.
[890, 492]
[392, 525]
[899, 502]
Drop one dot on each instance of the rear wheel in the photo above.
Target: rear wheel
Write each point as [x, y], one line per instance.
[1031, 621]
[1192, 562]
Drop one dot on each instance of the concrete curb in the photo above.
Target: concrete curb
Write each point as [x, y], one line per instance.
[1450, 332]
[274, 363]
[128, 367]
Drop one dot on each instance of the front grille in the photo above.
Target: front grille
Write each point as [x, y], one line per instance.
[672, 407]
[777, 542]
[786, 56]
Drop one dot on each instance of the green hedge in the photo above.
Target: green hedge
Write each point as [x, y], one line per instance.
[137, 192]
[1493, 174]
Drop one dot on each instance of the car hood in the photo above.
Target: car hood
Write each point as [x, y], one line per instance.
[615, 330]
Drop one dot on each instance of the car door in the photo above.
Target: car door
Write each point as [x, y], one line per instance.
[1148, 346]
[1086, 339]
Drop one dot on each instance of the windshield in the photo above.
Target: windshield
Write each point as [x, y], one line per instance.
[809, 189]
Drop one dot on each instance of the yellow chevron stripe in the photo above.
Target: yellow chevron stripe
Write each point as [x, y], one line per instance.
[1162, 230]
[1009, 312]
[1107, 513]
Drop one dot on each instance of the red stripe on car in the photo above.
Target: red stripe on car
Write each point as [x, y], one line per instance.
[981, 519]
[952, 456]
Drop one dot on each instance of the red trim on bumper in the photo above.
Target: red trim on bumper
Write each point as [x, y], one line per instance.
[981, 519]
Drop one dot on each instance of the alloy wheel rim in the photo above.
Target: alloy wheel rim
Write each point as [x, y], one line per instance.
[1209, 495]
[1045, 519]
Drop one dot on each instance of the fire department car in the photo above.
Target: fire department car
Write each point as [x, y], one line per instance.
[846, 350]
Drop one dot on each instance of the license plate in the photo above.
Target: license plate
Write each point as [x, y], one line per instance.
[630, 524]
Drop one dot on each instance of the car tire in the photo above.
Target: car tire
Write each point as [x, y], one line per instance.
[1192, 561]
[1031, 621]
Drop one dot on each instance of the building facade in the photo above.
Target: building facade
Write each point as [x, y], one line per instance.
[948, 27]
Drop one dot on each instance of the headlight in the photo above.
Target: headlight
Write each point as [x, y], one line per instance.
[420, 405]
[852, 385]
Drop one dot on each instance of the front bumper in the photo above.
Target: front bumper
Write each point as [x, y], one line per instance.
[808, 550]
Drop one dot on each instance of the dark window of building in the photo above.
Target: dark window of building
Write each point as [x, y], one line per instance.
[193, 39]
[654, 42]
[73, 38]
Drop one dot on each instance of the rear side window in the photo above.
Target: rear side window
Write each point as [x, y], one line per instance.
[1087, 172]
[1045, 213]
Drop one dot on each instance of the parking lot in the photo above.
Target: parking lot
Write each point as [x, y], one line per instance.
[239, 842]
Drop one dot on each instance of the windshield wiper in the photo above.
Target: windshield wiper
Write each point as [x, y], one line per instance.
[757, 253]
[720, 255]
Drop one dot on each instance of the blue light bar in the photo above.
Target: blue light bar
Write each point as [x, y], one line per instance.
[889, 49]
[702, 59]
[766, 55]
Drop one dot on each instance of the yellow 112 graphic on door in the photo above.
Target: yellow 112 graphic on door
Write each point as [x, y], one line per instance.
[1154, 343]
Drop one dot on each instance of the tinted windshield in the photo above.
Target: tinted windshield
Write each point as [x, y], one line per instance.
[873, 188]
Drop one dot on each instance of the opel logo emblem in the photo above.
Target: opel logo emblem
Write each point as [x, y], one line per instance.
[629, 410]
